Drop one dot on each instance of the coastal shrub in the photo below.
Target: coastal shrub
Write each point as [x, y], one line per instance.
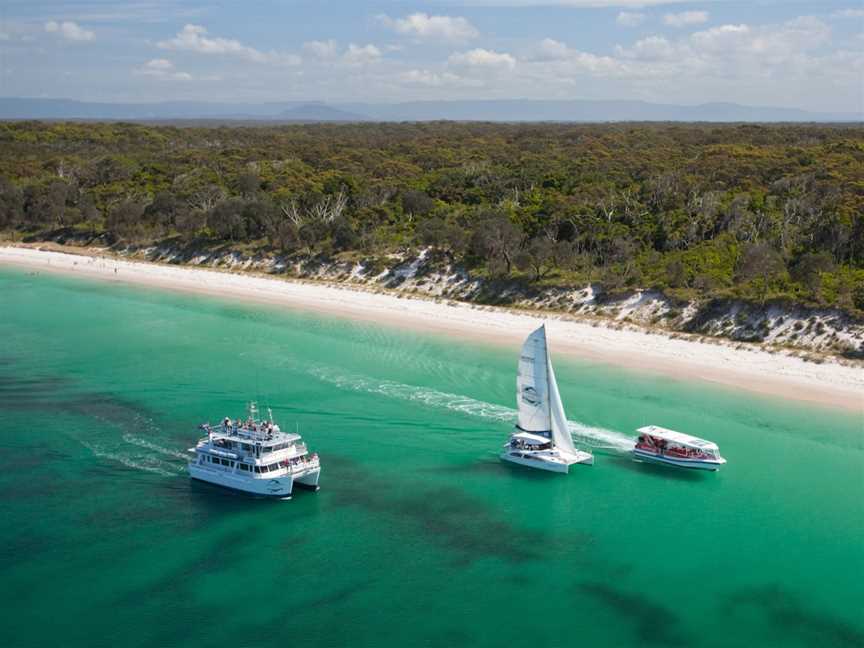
[691, 210]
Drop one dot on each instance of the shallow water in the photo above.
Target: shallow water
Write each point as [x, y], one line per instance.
[419, 535]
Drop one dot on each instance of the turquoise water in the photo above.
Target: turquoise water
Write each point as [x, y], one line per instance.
[419, 535]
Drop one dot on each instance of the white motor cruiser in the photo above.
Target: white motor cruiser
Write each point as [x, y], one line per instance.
[541, 438]
[254, 456]
[661, 445]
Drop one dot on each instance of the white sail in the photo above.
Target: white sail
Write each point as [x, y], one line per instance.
[560, 430]
[532, 384]
[541, 414]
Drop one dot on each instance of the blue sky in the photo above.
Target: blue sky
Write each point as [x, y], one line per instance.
[806, 54]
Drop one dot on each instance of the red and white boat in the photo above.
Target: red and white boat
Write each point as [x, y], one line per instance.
[660, 445]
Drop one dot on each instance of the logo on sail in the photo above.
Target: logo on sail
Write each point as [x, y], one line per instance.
[529, 395]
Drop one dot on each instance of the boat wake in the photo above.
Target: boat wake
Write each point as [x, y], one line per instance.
[132, 450]
[145, 463]
[149, 445]
[595, 437]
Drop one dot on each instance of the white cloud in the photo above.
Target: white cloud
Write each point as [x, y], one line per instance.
[323, 50]
[551, 50]
[752, 64]
[559, 63]
[162, 69]
[421, 25]
[483, 58]
[686, 18]
[361, 55]
[730, 52]
[69, 30]
[848, 13]
[630, 18]
[4, 36]
[433, 79]
[653, 48]
[194, 38]
[771, 45]
[563, 60]
[159, 65]
[354, 55]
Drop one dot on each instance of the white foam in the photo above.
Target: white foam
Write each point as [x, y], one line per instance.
[144, 443]
[600, 438]
[127, 449]
[147, 464]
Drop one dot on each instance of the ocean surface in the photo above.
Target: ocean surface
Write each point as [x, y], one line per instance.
[420, 535]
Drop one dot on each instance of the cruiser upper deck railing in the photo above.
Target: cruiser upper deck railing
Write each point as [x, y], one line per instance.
[298, 448]
[252, 433]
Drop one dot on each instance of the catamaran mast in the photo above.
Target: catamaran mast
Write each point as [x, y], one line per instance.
[549, 379]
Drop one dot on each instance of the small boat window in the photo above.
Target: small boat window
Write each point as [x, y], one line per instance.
[244, 467]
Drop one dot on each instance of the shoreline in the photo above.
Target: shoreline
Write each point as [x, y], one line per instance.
[754, 370]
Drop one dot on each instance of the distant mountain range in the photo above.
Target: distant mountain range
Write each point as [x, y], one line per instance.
[510, 110]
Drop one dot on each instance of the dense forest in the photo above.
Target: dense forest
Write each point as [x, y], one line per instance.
[754, 212]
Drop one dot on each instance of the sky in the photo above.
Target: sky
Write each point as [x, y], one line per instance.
[795, 53]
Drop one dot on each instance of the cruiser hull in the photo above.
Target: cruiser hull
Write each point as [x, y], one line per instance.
[278, 487]
[308, 480]
[693, 464]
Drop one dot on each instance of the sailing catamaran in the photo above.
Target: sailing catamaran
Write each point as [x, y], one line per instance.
[541, 438]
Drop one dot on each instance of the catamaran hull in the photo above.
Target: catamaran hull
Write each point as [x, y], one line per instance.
[308, 480]
[542, 463]
[278, 487]
[694, 464]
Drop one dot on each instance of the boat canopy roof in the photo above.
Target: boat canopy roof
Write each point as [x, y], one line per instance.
[243, 437]
[221, 453]
[283, 437]
[677, 437]
[533, 439]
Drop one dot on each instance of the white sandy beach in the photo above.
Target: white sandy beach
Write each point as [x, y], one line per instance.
[775, 374]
